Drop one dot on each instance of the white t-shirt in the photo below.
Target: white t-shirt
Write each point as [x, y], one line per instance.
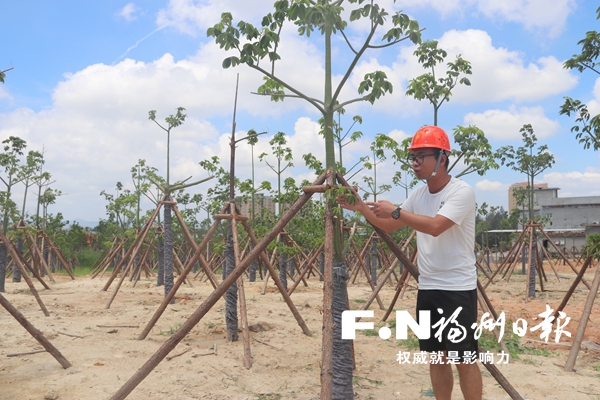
[446, 262]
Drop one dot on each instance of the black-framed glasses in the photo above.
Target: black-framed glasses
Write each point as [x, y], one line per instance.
[419, 158]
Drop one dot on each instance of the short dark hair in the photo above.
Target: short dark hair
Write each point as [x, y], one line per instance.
[447, 153]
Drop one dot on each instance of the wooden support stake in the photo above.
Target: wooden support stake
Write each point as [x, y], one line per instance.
[241, 294]
[15, 256]
[33, 331]
[587, 310]
[139, 238]
[167, 300]
[576, 281]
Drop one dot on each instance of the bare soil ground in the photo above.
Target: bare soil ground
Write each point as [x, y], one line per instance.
[286, 363]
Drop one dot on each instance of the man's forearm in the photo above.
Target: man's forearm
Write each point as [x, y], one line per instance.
[387, 224]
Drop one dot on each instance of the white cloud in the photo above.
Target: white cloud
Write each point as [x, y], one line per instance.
[534, 15]
[445, 8]
[505, 124]
[193, 17]
[4, 95]
[575, 183]
[491, 186]
[594, 104]
[128, 12]
[500, 74]
[399, 135]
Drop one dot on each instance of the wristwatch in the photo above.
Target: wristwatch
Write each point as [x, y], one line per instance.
[396, 213]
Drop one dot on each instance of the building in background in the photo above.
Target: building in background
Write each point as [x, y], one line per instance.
[512, 200]
[262, 203]
[569, 218]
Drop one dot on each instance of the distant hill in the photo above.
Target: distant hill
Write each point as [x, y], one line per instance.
[84, 223]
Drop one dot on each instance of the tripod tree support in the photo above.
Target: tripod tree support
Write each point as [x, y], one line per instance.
[211, 300]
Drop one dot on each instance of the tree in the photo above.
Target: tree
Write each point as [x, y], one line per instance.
[43, 180]
[531, 163]
[10, 162]
[587, 127]
[378, 147]
[121, 207]
[342, 137]
[28, 174]
[172, 121]
[284, 158]
[252, 140]
[260, 45]
[428, 86]
[528, 161]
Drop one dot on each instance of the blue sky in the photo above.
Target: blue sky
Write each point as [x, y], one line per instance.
[87, 73]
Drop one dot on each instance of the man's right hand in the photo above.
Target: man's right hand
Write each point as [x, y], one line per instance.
[344, 202]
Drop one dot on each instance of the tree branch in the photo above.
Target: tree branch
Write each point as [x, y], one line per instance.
[348, 42]
[393, 43]
[589, 67]
[181, 186]
[248, 136]
[342, 105]
[287, 95]
[289, 87]
[357, 57]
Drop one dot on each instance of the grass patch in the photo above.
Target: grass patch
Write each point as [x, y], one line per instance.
[171, 330]
[269, 396]
[488, 342]
[359, 301]
[411, 342]
[370, 332]
[357, 379]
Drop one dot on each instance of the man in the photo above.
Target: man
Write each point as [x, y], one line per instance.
[443, 214]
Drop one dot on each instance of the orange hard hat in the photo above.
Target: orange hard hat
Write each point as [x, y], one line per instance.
[430, 136]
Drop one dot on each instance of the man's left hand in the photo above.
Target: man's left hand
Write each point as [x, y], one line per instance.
[382, 209]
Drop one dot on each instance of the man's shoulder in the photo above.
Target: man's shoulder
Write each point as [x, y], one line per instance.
[459, 184]
[419, 191]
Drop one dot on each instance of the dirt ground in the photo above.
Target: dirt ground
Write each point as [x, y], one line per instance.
[104, 351]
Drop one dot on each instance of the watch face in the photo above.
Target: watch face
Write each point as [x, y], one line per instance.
[396, 213]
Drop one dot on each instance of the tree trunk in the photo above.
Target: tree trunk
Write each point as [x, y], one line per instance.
[160, 279]
[16, 272]
[136, 262]
[231, 295]
[253, 266]
[342, 349]
[168, 250]
[283, 264]
[531, 291]
[3, 262]
[322, 265]
[374, 261]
